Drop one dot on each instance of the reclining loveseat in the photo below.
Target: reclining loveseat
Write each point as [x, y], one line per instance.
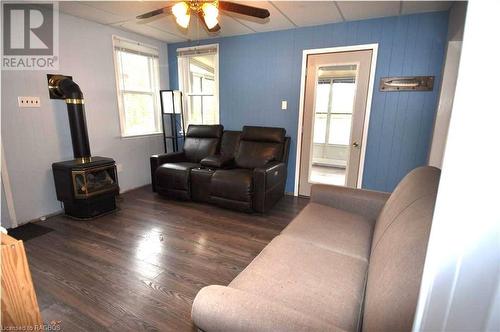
[244, 170]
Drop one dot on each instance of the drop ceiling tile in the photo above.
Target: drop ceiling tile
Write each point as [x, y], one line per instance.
[146, 30]
[413, 7]
[359, 10]
[167, 23]
[80, 9]
[307, 13]
[276, 21]
[126, 9]
[231, 27]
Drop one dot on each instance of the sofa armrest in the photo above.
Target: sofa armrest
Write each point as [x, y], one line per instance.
[219, 308]
[367, 203]
[268, 185]
[217, 161]
[157, 160]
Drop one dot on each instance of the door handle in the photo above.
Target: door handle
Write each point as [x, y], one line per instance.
[355, 144]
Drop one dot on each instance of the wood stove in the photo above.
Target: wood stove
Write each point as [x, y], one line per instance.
[86, 185]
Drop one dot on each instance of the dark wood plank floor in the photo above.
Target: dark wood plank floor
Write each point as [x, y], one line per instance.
[141, 267]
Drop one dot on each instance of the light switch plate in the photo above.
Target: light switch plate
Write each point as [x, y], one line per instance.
[284, 105]
[28, 102]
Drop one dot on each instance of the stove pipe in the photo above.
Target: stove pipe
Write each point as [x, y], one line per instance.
[65, 88]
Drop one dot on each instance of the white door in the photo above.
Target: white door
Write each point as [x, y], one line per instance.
[336, 92]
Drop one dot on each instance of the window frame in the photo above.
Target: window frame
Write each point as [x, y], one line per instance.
[329, 113]
[153, 54]
[198, 51]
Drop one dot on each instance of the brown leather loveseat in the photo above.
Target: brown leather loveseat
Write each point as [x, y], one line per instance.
[239, 170]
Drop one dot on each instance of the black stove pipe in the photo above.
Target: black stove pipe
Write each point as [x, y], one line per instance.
[73, 96]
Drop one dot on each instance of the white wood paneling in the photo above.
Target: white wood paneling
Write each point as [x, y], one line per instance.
[460, 282]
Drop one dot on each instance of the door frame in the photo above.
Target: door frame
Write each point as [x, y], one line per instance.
[305, 54]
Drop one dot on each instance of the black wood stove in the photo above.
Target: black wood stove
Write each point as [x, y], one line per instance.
[86, 185]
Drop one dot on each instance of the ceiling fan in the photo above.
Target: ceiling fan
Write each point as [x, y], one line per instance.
[206, 11]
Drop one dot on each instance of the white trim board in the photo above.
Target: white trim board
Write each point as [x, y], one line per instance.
[8, 191]
[305, 54]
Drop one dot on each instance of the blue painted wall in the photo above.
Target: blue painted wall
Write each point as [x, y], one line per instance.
[257, 71]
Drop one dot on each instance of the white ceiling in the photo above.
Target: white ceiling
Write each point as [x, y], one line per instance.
[284, 15]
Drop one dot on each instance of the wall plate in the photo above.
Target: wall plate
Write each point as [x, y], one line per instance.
[28, 102]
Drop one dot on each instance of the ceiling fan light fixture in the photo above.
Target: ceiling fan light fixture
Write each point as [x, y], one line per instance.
[183, 21]
[180, 9]
[181, 13]
[210, 13]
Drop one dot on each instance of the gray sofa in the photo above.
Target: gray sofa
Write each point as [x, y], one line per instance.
[351, 260]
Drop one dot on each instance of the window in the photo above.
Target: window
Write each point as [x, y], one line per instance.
[137, 76]
[333, 111]
[198, 81]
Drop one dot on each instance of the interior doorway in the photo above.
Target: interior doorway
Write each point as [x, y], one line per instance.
[336, 94]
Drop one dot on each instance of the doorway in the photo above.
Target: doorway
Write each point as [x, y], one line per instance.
[336, 95]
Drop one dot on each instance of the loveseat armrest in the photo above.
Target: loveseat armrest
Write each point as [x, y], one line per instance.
[367, 203]
[219, 308]
[157, 160]
[217, 161]
[269, 185]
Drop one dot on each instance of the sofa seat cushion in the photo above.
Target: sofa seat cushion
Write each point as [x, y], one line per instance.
[301, 276]
[226, 309]
[174, 175]
[233, 184]
[333, 229]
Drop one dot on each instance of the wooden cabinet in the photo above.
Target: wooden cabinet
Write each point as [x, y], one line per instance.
[19, 304]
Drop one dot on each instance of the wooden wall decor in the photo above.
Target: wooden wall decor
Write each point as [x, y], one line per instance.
[18, 299]
[407, 83]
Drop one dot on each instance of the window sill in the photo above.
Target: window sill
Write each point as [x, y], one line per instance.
[141, 135]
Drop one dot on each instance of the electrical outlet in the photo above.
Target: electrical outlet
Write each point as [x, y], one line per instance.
[119, 168]
[28, 101]
[284, 105]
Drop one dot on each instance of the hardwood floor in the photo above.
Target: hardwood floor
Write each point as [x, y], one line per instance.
[141, 267]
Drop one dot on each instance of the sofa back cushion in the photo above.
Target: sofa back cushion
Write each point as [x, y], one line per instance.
[259, 146]
[230, 143]
[202, 141]
[398, 252]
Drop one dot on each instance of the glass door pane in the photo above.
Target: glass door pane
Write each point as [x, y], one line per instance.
[334, 102]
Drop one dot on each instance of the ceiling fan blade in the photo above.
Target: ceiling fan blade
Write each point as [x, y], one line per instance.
[243, 9]
[202, 19]
[155, 12]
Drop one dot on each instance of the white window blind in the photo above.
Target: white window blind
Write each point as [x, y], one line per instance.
[137, 76]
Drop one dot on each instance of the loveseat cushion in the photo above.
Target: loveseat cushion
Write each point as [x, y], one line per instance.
[233, 184]
[202, 141]
[307, 278]
[229, 143]
[333, 229]
[174, 175]
[263, 134]
[259, 146]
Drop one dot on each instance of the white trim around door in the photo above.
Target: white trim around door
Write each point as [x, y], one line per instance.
[305, 54]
